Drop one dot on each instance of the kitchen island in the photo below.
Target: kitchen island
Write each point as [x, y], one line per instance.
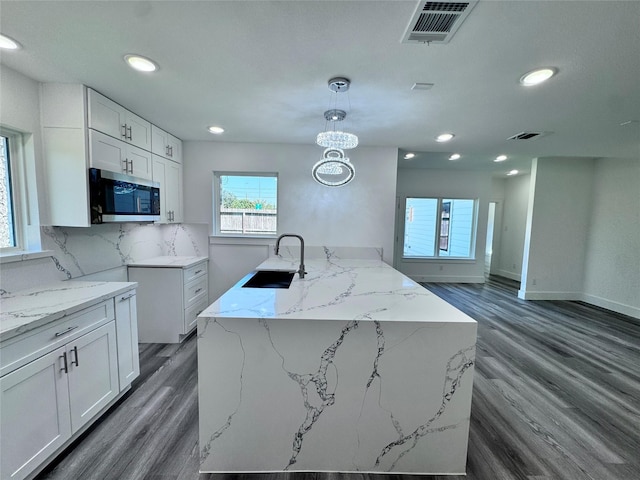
[354, 368]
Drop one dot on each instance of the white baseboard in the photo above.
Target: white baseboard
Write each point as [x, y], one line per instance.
[506, 274]
[582, 297]
[611, 305]
[447, 278]
[528, 295]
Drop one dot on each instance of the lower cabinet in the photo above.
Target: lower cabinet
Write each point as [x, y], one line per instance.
[35, 417]
[46, 401]
[171, 298]
[127, 336]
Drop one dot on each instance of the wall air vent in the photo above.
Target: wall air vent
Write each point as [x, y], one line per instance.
[436, 22]
[526, 135]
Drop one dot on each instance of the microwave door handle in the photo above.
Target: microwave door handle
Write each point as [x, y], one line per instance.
[138, 205]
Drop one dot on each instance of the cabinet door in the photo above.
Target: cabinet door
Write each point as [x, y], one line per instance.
[34, 418]
[174, 148]
[160, 176]
[93, 373]
[106, 116]
[127, 337]
[174, 191]
[139, 162]
[107, 153]
[159, 141]
[138, 131]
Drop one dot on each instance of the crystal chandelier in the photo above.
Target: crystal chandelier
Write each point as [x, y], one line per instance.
[332, 138]
[334, 168]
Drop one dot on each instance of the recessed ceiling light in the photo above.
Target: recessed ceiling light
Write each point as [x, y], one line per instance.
[141, 64]
[512, 172]
[409, 156]
[537, 76]
[216, 130]
[444, 137]
[8, 43]
[455, 156]
[500, 158]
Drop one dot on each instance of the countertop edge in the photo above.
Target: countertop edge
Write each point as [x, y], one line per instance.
[16, 331]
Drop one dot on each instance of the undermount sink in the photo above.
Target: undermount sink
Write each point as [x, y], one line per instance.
[270, 279]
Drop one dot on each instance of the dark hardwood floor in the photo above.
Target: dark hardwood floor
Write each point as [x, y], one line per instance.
[556, 396]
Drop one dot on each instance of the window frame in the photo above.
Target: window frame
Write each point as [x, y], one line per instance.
[437, 232]
[216, 202]
[24, 198]
[17, 194]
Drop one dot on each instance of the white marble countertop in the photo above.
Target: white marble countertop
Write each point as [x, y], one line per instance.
[29, 309]
[337, 289]
[168, 262]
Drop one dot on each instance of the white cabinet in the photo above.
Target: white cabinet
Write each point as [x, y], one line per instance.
[114, 155]
[35, 419]
[58, 378]
[92, 368]
[166, 145]
[127, 338]
[48, 400]
[169, 175]
[170, 299]
[116, 121]
[81, 129]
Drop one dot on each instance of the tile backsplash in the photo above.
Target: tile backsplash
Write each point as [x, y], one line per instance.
[100, 250]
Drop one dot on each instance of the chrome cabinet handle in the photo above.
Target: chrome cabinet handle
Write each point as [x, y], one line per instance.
[198, 290]
[126, 165]
[197, 272]
[122, 299]
[171, 151]
[166, 150]
[64, 332]
[129, 130]
[65, 368]
[75, 350]
[124, 131]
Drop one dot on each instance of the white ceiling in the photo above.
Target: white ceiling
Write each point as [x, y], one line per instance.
[260, 70]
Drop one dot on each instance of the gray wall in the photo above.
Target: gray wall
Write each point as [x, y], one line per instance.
[359, 214]
[417, 182]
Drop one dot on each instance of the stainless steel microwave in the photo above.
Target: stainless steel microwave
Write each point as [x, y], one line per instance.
[115, 197]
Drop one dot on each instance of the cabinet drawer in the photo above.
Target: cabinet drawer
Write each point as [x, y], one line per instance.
[194, 272]
[191, 315]
[196, 291]
[22, 349]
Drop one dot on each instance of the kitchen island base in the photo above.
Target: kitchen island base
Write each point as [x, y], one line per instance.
[355, 368]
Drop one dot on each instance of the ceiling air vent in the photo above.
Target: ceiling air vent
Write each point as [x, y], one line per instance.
[525, 135]
[436, 22]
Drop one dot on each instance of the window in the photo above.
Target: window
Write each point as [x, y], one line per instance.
[245, 204]
[19, 226]
[7, 218]
[439, 227]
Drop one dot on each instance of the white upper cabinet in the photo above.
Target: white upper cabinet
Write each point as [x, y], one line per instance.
[114, 155]
[165, 144]
[82, 129]
[169, 175]
[110, 118]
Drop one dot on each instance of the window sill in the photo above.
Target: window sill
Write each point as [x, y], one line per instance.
[438, 260]
[20, 256]
[241, 240]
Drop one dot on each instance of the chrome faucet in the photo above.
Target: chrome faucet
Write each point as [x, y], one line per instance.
[277, 249]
